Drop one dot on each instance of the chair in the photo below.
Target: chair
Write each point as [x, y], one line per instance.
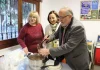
[91, 52]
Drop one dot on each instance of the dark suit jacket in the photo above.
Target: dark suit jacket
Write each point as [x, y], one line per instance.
[75, 47]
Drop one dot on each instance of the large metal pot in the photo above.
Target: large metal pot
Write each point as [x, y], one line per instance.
[35, 61]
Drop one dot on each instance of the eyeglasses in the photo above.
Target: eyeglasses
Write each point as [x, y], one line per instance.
[62, 17]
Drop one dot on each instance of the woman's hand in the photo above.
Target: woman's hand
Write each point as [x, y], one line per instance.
[25, 50]
[46, 38]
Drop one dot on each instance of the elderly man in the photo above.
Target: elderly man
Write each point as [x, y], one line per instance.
[72, 40]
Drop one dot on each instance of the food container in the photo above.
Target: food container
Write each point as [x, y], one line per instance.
[35, 61]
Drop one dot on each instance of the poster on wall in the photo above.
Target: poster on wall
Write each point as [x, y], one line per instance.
[94, 14]
[85, 7]
[99, 14]
[95, 5]
[99, 10]
[90, 10]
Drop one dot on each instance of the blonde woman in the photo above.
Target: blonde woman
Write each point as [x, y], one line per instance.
[31, 34]
[53, 20]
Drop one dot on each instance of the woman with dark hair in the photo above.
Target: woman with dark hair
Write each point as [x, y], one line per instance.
[53, 20]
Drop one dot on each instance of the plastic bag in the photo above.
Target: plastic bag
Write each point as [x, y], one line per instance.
[12, 60]
[4, 63]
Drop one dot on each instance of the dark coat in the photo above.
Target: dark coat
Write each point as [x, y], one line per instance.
[75, 47]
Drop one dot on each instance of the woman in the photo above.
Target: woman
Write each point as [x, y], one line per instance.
[31, 34]
[53, 20]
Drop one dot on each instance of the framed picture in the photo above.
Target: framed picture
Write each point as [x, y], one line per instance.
[90, 10]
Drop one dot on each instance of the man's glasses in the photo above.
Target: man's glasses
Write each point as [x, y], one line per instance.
[62, 17]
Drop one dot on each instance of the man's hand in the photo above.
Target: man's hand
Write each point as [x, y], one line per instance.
[46, 38]
[44, 51]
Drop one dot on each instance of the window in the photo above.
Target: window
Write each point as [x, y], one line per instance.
[8, 19]
[13, 15]
[27, 7]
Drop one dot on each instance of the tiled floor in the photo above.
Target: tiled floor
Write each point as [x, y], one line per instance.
[96, 67]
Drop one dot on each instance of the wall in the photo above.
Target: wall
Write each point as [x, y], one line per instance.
[92, 27]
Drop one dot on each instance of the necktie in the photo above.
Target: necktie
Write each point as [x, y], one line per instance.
[64, 60]
[63, 37]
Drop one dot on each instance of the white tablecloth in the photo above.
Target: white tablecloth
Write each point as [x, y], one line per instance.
[15, 60]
